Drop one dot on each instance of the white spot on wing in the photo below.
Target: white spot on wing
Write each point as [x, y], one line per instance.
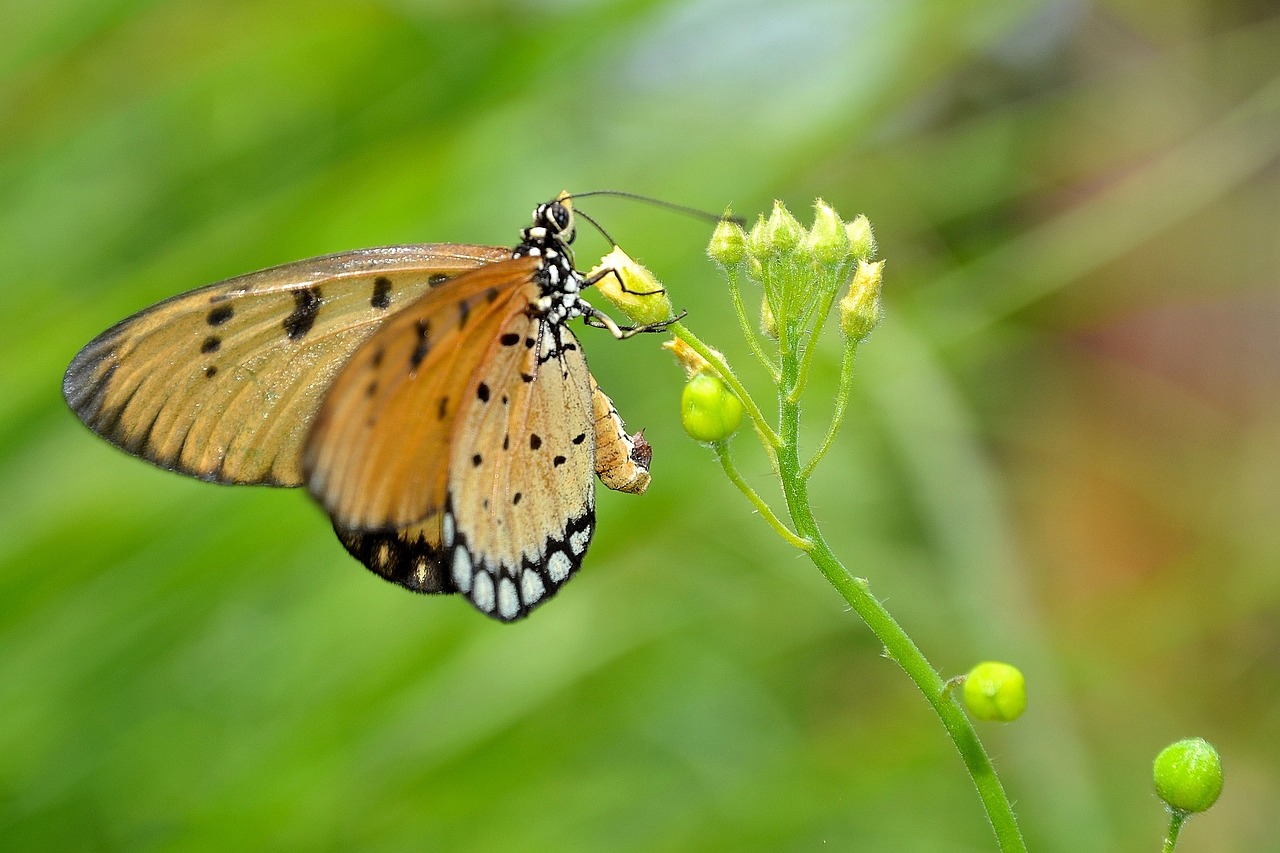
[578, 541]
[482, 595]
[462, 570]
[508, 601]
[448, 530]
[531, 587]
[559, 566]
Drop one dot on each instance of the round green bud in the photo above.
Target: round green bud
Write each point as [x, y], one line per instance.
[995, 691]
[728, 244]
[1188, 775]
[862, 242]
[828, 239]
[783, 231]
[709, 410]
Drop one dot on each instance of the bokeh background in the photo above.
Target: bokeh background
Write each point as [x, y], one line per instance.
[1064, 448]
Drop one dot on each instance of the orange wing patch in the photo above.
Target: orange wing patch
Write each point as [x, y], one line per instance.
[378, 452]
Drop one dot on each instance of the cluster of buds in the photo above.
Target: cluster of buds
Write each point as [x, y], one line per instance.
[777, 248]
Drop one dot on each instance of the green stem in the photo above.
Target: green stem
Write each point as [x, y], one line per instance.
[768, 437]
[897, 643]
[842, 402]
[811, 347]
[1177, 817]
[726, 461]
[748, 331]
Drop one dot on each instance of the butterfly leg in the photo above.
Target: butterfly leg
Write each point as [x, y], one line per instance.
[597, 319]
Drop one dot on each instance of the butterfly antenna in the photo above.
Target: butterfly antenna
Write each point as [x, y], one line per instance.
[598, 227]
[669, 205]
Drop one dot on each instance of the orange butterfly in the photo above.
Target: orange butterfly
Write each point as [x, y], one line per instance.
[431, 397]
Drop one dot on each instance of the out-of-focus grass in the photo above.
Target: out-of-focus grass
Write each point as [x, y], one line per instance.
[1063, 450]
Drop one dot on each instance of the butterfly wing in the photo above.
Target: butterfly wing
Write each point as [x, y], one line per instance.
[521, 506]
[222, 382]
[377, 456]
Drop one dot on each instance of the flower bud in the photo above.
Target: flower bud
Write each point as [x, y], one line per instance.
[860, 308]
[828, 239]
[995, 691]
[862, 242]
[728, 244]
[709, 410]
[1188, 775]
[689, 359]
[757, 243]
[783, 231]
[632, 288]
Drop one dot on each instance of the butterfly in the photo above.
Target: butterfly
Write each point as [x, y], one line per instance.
[432, 398]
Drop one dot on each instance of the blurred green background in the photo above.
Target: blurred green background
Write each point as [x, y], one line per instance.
[1064, 448]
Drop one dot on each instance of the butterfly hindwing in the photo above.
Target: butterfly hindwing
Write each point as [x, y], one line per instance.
[222, 382]
[521, 508]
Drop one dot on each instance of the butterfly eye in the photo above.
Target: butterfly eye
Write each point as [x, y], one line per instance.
[558, 215]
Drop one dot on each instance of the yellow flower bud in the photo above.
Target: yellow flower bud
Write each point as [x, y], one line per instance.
[860, 309]
[783, 231]
[632, 288]
[828, 239]
[691, 361]
[862, 242]
[728, 244]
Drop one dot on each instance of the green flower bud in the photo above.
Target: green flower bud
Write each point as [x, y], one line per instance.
[1188, 775]
[862, 242]
[632, 288]
[783, 231]
[860, 309]
[757, 242]
[709, 410]
[995, 691]
[728, 244]
[828, 239]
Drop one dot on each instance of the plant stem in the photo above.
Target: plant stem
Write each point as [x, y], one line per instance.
[897, 643]
[749, 332]
[1177, 817]
[731, 471]
[837, 416]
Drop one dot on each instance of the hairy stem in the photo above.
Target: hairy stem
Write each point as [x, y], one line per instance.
[897, 643]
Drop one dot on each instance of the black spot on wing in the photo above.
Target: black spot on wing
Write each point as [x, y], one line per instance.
[211, 344]
[306, 305]
[221, 314]
[510, 339]
[381, 297]
[423, 346]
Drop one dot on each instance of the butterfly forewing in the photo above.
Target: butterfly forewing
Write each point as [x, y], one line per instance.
[522, 471]
[222, 382]
[377, 456]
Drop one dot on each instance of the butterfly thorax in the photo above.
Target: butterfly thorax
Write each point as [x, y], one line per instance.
[559, 283]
